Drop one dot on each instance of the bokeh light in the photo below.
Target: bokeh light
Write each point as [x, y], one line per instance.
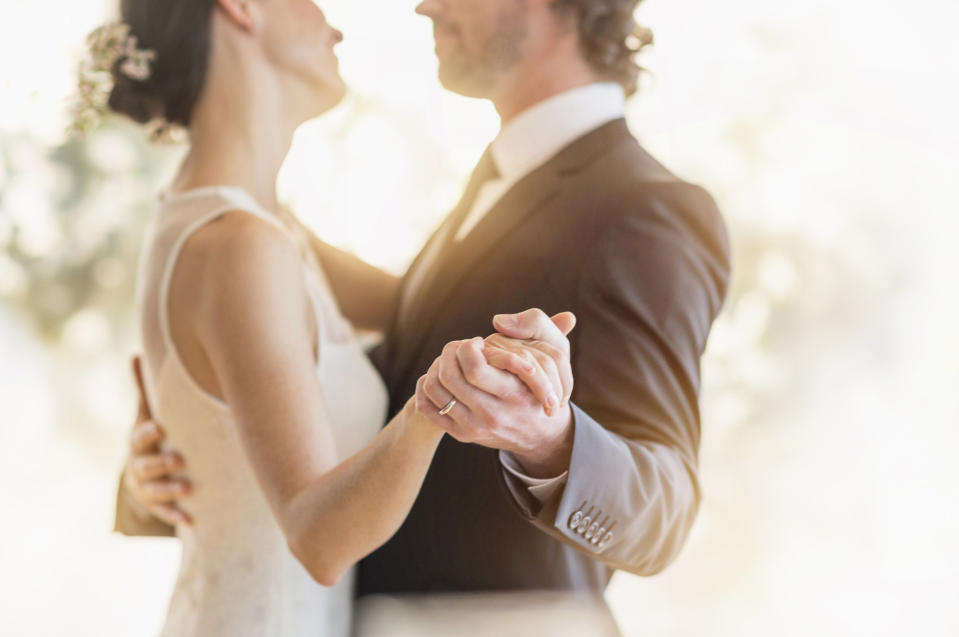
[827, 131]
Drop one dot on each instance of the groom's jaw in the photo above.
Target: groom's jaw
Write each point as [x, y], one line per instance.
[445, 37]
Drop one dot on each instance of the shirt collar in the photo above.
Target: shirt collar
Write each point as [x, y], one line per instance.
[542, 130]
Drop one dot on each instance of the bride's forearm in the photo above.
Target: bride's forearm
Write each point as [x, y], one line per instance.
[357, 506]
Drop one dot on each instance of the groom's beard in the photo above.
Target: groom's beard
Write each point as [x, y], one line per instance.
[473, 73]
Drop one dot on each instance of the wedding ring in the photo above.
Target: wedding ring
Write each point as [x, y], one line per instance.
[449, 406]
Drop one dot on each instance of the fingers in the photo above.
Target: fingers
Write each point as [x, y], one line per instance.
[146, 438]
[143, 409]
[429, 408]
[148, 479]
[533, 375]
[170, 514]
[450, 376]
[560, 359]
[155, 466]
[149, 473]
[433, 389]
[565, 321]
[494, 381]
[164, 491]
[558, 362]
[439, 395]
[534, 324]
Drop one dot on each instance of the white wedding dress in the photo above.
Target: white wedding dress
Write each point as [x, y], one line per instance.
[237, 576]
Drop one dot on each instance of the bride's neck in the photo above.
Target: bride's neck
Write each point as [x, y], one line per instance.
[239, 136]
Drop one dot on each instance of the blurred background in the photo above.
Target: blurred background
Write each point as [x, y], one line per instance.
[827, 132]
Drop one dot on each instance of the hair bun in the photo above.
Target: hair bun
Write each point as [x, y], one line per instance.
[133, 98]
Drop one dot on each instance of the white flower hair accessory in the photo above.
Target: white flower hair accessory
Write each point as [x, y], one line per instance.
[108, 44]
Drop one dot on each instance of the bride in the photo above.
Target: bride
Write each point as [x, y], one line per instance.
[249, 364]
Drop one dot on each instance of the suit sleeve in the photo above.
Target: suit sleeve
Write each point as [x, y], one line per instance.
[650, 288]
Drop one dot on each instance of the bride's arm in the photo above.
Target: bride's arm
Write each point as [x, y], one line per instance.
[255, 323]
[365, 293]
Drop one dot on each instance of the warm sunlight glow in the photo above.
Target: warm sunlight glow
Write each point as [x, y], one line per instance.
[827, 132]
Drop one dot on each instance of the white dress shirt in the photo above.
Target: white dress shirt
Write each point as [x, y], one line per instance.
[534, 136]
[525, 143]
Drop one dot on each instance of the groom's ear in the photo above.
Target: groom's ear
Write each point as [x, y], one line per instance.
[243, 13]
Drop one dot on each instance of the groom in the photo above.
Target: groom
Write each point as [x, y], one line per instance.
[565, 211]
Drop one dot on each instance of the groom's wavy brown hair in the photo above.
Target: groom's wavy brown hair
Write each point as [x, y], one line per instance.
[609, 36]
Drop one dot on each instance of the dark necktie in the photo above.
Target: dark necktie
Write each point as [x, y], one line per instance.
[430, 265]
[485, 171]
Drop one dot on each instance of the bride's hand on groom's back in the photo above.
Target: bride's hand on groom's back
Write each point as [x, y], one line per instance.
[511, 390]
[150, 473]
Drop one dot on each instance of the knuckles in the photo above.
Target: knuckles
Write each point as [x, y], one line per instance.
[490, 420]
[496, 340]
[472, 375]
[528, 357]
[532, 314]
[431, 386]
[445, 375]
[451, 348]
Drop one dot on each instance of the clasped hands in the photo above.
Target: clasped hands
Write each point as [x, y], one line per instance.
[511, 390]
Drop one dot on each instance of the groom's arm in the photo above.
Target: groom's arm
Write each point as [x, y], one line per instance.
[616, 477]
[364, 292]
[649, 293]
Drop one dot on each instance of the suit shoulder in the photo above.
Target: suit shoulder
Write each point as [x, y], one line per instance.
[644, 208]
[676, 202]
[629, 185]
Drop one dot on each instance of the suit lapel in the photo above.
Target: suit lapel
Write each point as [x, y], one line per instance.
[442, 233]
[528, 197]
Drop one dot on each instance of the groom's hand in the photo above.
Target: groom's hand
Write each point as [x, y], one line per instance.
[498, 409]
[149, 472]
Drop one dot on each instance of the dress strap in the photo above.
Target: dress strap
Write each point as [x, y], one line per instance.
[230, 204]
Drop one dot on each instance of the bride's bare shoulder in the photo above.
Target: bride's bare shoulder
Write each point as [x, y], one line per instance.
[236, 231]
[236, 258]
[236, 279]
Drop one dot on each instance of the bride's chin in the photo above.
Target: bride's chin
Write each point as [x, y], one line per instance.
[340, 91]
[327, 98]
[333, 92]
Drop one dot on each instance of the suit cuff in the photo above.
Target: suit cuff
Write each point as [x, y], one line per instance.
[540, 488]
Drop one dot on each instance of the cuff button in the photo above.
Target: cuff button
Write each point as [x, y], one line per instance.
[575, 519]
[583, 525]
[591, 531]
[598, 536]
[606, 539]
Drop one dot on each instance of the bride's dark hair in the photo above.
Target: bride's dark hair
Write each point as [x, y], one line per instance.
[179, 32]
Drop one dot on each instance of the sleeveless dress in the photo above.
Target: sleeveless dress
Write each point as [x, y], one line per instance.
[237, 576]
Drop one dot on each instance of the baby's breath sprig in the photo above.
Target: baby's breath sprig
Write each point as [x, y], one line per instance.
[107, 45]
